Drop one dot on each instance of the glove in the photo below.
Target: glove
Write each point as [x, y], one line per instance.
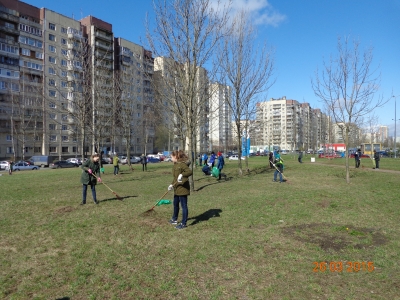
[180, 178]
[170, 187]
[98, 179]
[90, 171]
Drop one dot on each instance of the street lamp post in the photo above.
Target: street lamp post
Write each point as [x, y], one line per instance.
[395, 118]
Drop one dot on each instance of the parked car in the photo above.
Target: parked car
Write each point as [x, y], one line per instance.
[42, 160]
[106, 160]
[284, 152]
[22, 165]
[330, 155]
[235, 157]
[134, 160]
[4, 165]
[75, 160]
[153, 159]
[168, 158]
[383, 154]
[63, 164]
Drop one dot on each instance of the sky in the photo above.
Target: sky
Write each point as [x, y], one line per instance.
[303, 34]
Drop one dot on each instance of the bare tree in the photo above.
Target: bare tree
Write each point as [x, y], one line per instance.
[248, 69]
[347, 85]
[186, 34]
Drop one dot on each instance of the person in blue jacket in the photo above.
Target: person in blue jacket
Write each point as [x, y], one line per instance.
[220, 165]
[205, 157]
[212, 159]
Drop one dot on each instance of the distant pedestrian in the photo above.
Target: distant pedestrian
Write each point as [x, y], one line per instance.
[101, 162]
[278, 168]
[116, 164]
[212, 159]
[376, 158]
[143, 161]
[300, 157]
[220, 165]
[357, 157]
[199, 156]
[10, 167]
[205, 158]
[90, 168]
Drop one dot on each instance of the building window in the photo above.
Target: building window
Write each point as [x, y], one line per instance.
[63, 73]
[53, 149]
[64, 127]
[39, 55]
[64, 30]
[52, 105]
[52, 82]
[52, 59]
[52, 37]
[52, 71]
[65, 139]
[52, 126]
[63, 84]
[8, 138]
[37, 149]
[25, 52]
[64, 52]
[52, 116]
[52, 93]
[52, 26]
[52, 49]
[63, 62]
[63, 41]
[10, 150]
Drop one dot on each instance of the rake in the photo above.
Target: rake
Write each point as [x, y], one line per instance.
[284, 177]
[116, 195]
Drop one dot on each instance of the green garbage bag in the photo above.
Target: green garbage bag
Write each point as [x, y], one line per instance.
[163, 201]
[102, 170]
[215, 172]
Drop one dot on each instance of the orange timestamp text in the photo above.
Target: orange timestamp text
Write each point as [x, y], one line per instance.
[339, 266]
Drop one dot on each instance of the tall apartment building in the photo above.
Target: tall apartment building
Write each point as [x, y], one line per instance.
[134, 70]
[169, 77]
[290, 125]
[57, 87]
[21, 78]
[220, 117]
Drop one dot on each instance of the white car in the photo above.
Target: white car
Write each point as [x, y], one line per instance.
[20, 166]
[75, 160]
[236, 157]
[4, 165]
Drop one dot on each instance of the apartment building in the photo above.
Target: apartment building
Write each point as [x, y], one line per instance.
[21, 77]
[290, 125]
[57, 85]
[170, 79]
[134, 67]
[220, 125]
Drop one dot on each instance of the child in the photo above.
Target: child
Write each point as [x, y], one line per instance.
[220, 165]
[181, 187]
[206, 170]
[278, 168]
[90, 168]
[115, 164]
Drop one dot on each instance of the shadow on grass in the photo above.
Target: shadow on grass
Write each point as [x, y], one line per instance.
[116, 199]
[211, 213]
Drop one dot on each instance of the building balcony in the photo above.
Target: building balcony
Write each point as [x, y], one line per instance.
[103, 46]
[11, 30]
[104, 36]
[8, 14]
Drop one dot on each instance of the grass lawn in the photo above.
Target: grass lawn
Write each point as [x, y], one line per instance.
[313, 237]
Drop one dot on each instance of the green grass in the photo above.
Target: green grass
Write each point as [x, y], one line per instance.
[248, 237]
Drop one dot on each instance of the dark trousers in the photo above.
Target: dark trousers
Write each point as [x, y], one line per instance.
[185, 211]
[144, 167]
[357, 163]
[377, 164]
[84, 192]
[116, 169]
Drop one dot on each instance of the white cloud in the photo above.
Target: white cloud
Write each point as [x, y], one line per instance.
[261, 11]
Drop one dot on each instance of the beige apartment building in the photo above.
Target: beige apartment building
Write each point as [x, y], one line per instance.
[290, 125]
[57, 85]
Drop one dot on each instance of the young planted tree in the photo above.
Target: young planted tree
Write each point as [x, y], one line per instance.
[347, 85]
[186, 34]
[248, 69]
